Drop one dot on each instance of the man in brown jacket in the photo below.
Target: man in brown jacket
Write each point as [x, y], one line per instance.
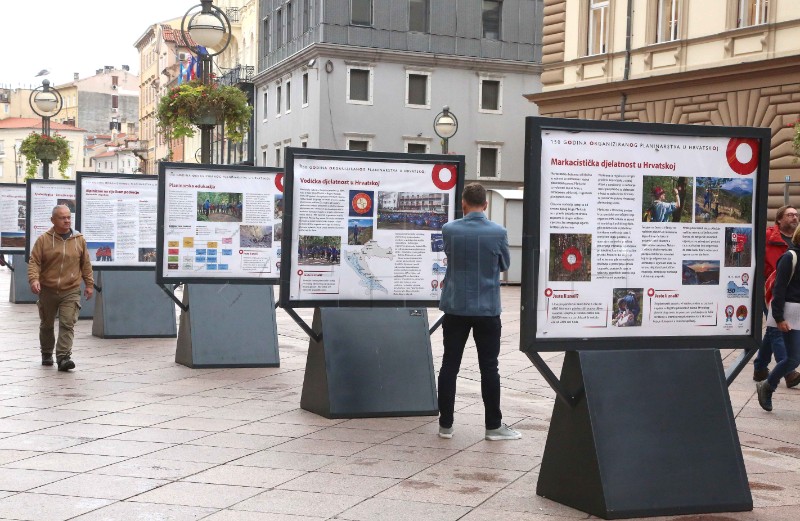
[59, 260]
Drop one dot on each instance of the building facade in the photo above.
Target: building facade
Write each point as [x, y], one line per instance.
[716, 62]
[13, 164]
[373, 75]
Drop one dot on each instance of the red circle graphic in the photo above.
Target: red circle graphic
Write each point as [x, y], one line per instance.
[279, 182]
[299, 272]
[736, 165]
[548, 292]
[443, 184]
[572, 259]
[651, 292]
[362, 203]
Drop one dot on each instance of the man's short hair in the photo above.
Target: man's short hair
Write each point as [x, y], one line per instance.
[781, 211]
[474, 194]
[58, 207]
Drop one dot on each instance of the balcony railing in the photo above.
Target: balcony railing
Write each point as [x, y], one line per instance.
[233, 14]
[237, 75]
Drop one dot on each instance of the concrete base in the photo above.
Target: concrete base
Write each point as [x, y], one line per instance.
[132, 305]
[20, 291]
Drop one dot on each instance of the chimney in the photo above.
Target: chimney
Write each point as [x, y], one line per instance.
[99, 71]
[75, 76]
[126, 68]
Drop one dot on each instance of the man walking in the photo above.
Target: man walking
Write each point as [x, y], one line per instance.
[59, 260]
[779, 239]
[477, 251]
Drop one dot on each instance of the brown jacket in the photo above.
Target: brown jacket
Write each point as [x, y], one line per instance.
[58, 264]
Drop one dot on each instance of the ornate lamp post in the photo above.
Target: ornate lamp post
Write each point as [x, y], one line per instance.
[209, 28]
[445, 125]
[46, 102]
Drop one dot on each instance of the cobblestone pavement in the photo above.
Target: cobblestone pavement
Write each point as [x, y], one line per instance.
[131, 435]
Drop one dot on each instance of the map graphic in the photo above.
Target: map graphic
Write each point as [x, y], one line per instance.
[357, 260]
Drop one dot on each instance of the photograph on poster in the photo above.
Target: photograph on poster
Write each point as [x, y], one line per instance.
[278, 231]
[738, 247]
[700, 272]
[69, 203]
[570, 257]
[627, 307]
[21, 210]
[101, 251]
[21, 224]
[320, 250]
[12, 239]
[663, 199]
[219, 207]
[724, 200]
[437, 242]
[278, 203]
[412, 210]
[359, 231]
[147, 254]
[361, 203]
[255, 236]
[439, 268]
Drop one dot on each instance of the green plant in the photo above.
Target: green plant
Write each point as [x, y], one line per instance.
[38, 147]
[796, 139]
[187, 106]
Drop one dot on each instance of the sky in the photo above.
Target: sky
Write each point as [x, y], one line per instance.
[68, 36]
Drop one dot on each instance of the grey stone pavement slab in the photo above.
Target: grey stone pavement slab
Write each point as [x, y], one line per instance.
[131, 435]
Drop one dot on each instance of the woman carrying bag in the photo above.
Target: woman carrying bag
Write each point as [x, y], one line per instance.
[785, 315]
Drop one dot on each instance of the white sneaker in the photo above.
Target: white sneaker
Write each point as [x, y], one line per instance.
[504, 432]
[445, 433]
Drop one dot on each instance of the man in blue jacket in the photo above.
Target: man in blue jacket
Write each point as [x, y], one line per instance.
[477, 251]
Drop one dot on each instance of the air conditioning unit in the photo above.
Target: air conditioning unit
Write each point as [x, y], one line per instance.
[182, 56]
[113, 87]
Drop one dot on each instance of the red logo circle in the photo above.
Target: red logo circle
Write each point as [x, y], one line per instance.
[279, 182]
[362, 203]
[738, 166]
[651, 292]
[548, 292]
[572, 259]
[299, 272]
[241, 252]
[446, 183]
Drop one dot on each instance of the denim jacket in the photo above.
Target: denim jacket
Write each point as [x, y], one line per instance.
[477, 251]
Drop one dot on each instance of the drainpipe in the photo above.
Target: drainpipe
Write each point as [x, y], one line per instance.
[626, 75]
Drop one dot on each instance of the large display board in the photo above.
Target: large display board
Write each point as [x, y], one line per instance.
[643, 231]
[219, 222]
[13, 210]
[42, 196]
[365, 228]
[117, 215]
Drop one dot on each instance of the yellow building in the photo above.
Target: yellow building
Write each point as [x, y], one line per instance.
[714, 62]
[13, 164]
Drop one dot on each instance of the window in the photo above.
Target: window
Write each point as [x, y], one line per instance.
[264, 158]
[667, 20]
[114, 80]
[491, 96]
[265, 110]
[265, 39]
[288, 97]
[416, 148]
[278, 95]
[305, 89]
[358, 144]
[598, 19]
[279, 28]
[306, 15]
[488, 161]
[289, 17]
[361, 12]
[278, 154]
[359, 85]
[304, 143]
[114, 101]
[752, 12]
[417, 89]
[418, 16]
[491, 19]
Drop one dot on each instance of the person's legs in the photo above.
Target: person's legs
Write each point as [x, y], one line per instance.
[486, 332]
[48, 310]
[788, 350]
[764, 356]
[68, 309]
[455, 331]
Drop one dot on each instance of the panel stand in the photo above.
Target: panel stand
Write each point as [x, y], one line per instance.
[652, 433]
[129, 304]
[227, 325]
[87, 306]
[369, 362]
[20, 291]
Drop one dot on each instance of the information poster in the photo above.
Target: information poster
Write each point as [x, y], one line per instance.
[220, 222]
[646, 235]
[369, 230]
[43, 196]
[13, 210]
[117, 216]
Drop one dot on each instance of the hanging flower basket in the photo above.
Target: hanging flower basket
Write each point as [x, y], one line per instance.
[38, 147]
[192, 104]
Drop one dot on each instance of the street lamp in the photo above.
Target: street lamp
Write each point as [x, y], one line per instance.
[209, 28]
[46, 102]
[445, 124]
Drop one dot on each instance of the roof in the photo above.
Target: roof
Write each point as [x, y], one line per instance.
[175, 35]
[36, 124]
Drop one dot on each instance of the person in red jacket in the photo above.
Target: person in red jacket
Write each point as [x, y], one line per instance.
[779, 238]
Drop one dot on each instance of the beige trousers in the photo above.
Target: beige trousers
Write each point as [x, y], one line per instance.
[65, 306]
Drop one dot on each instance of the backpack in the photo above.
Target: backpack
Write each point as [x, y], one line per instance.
[770, 282]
